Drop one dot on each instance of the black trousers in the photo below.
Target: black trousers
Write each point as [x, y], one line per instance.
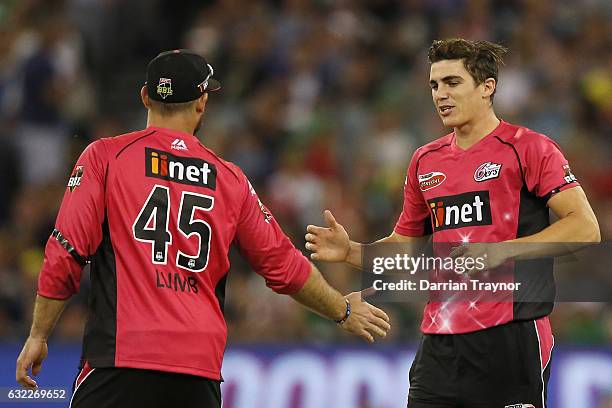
[129, 387]
[498, 367]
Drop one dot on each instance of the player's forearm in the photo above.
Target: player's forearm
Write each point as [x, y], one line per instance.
[46, 313]
[566, 235]
[320, 297]
[355, 253]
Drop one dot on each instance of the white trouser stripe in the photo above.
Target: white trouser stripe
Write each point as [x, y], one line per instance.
[79, 384]
[541, 365]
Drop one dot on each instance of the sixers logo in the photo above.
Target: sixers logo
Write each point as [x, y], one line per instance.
[431, 180]
[487, 171]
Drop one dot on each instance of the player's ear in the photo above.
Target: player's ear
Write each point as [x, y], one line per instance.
[201, 102]
[488, 87]
[144, 96]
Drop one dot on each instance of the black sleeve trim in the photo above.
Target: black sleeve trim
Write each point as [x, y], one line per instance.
[557, 190]
[64, 242]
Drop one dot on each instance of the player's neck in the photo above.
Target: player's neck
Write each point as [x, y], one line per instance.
[470, 133]
[178, 122]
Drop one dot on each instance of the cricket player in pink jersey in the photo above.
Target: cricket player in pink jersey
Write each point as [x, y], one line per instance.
[488, 181]
[154, 213]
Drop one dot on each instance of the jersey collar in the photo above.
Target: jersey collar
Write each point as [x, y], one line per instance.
[172, 132]
[482, 141]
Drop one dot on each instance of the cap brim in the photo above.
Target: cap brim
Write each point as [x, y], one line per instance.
[213, 85]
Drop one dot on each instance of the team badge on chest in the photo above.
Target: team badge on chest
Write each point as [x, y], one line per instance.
[487, 171]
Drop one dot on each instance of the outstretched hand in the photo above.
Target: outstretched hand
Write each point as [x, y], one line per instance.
[329, 244]
[366, 321]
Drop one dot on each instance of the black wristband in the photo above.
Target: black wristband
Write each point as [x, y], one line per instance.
[347, 314]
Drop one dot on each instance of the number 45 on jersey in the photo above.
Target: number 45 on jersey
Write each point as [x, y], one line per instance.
[157, 209]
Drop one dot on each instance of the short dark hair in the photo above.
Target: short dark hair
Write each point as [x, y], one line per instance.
[481, 59]
[169, 109]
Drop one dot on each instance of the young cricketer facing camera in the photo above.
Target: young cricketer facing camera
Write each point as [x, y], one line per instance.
[488, 181]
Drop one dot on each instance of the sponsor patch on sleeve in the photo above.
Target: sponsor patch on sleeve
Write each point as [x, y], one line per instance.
[266, 214]
[569, 176]
[75, 178]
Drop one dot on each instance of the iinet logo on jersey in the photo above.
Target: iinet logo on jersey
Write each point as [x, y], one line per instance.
[462, 210]
[185, 170]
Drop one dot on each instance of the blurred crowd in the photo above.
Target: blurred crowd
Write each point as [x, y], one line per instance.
[323, 103]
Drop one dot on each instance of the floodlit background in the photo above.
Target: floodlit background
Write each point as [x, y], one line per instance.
[323, 103]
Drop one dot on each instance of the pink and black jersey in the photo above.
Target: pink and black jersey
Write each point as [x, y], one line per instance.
[154, 212]
[496, 190]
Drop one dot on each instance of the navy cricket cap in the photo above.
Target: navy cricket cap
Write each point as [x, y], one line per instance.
[178, 76]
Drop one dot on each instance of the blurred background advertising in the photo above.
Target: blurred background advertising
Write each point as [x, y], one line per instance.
[323, 104]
